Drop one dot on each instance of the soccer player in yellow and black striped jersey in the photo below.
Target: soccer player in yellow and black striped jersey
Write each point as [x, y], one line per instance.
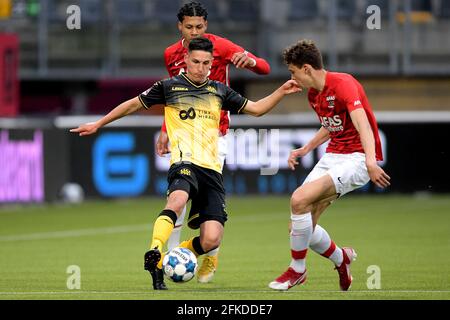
[192, 115]
[192, 112]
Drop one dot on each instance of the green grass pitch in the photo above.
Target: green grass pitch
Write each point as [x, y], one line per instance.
[408, 238]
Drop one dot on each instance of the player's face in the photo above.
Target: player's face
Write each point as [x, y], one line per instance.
[198, 64]
[192, 27]
[301, 75]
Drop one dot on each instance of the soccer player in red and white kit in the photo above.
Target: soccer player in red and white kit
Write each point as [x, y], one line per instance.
[350, 161]
[192, 24]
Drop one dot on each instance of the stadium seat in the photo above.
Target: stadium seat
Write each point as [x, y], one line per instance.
[421, 5]
[421, 12]
[444, 10]
[91, 11]
[215, 12]
[243, 10]
[165, 11]
[130, 11]
[56, 10]
[303, 9]
[345, 9]
[382, 4]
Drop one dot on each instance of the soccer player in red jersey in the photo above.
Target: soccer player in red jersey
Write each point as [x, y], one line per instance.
[193, 24]
[350, 161]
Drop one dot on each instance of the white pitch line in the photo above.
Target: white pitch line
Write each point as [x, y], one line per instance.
[107, 230]
[75, 233]
[222, 291]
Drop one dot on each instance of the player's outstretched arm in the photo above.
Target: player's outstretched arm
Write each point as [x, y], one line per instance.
[362, 125]
[320, 137]
[266, 104]
[240, 57]
[118, 112]
[244, 59]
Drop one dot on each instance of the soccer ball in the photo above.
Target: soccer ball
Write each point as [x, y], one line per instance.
[72, 193]
[180, 264]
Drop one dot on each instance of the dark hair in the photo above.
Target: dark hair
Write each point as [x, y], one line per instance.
[201, 43]
[304, 51]
[192, 9]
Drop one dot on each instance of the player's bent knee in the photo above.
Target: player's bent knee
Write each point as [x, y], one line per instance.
[177, 202]
[210, 243]
[299, 204]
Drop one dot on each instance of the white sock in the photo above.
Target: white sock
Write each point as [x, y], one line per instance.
[316, 236]
[174, 239]
[323, 245]
[301, 232]
[212, 252]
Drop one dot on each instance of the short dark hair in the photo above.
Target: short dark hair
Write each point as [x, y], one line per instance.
[201, 43]
[304, 51]
[192, 9]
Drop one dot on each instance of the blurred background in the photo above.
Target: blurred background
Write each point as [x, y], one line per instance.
[53, 78]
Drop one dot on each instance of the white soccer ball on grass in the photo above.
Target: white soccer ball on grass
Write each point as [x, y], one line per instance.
[180, 264]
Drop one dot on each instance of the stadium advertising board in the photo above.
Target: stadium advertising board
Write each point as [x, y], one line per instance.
[33, 165]
[22, 166]
[121, 162]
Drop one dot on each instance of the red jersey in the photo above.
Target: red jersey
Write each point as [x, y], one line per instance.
[341, 95]
[222, 53]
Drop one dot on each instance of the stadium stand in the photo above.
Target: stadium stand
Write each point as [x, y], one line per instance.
[444, 9]
[130, 11]
[165, 11]
[125, 39]
[243, 10]
[216, 10]
[93, 11]
[346, 9]
[303, 10]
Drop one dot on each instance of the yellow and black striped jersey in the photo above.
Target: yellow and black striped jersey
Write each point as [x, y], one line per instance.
[192, 114]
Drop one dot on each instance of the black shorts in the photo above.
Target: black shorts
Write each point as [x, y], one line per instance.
[205, 189]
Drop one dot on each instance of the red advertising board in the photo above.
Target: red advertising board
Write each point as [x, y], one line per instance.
[9, 82]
